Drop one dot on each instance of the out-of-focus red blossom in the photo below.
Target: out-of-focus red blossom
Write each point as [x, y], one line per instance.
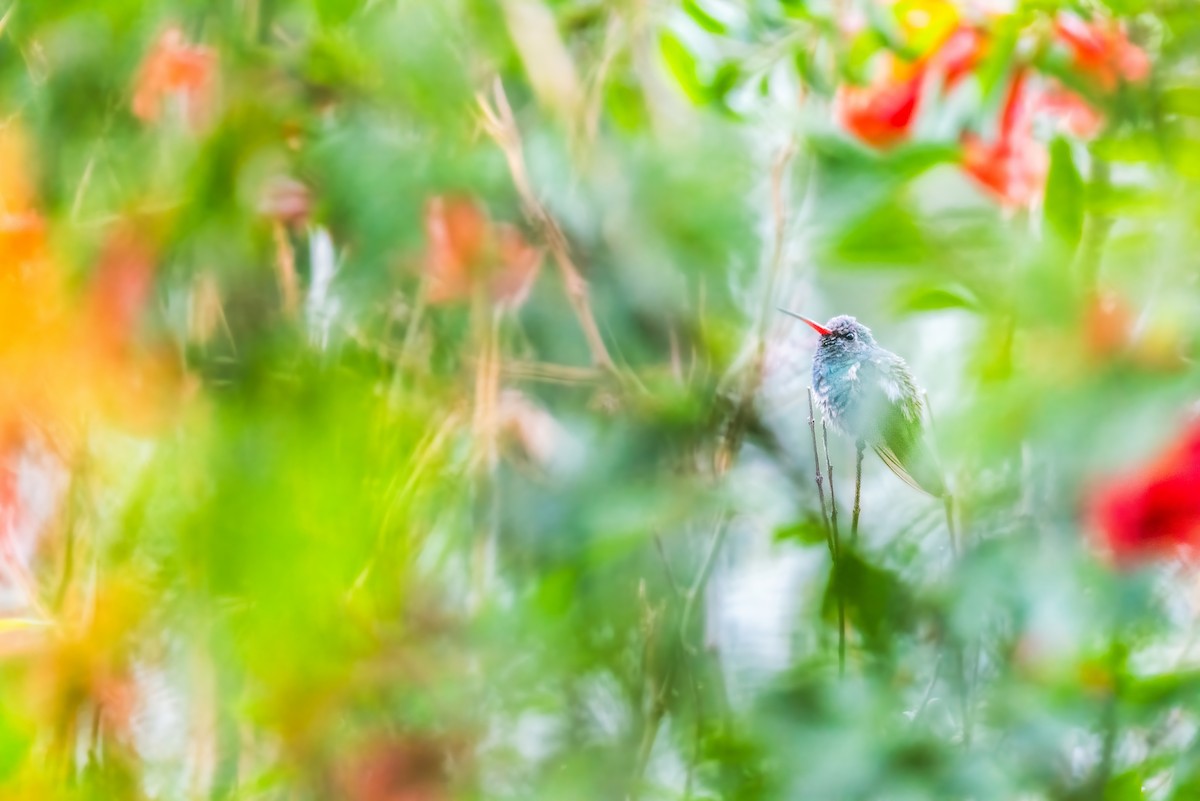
[176, 71]
[1012, 169]
[401, 769]
[1070, 113]
[285, 200]
[882, 112]
[1101, 50]
[120, 288]
[1155, 510]
[467, 251]
[1013, 166]
[961, 53]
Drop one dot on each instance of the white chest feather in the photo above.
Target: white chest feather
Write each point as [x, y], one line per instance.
[892, 389]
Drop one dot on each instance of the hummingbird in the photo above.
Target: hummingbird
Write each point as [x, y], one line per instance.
[868, 393]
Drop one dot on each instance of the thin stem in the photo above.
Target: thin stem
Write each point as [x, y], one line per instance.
[837, 558]
[964, 696]
[812, 430]
[948, 497]
[925, 699]
[697, 739]
[285, 270]
[779, 215]
[948, 506]
[832, 494]
[76, 499]
[1109, 720]
[750, 377]
[859, 447]
[662, 554]
[660, 690]
[655, 688]
[1096, 229]
[714, 546]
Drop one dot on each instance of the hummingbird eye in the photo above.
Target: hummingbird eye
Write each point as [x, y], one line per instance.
[851, 335]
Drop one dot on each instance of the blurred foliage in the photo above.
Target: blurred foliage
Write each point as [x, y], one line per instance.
[393, 405]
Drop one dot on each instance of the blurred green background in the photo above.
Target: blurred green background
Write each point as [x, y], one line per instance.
[393, 405]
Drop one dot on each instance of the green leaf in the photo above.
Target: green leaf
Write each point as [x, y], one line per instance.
[335, 12]
[1127, 201]
[1064, 195]
[702, 18]
[886, 236]
[1126, 786]
[877, 601]
[724, 82]
[682, 66]
[865, 45]
[809, 530]
[1161, 690]
[1184, 100]
[1132, 147]
[936, 298]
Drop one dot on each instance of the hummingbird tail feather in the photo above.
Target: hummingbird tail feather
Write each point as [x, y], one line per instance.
[932, 487]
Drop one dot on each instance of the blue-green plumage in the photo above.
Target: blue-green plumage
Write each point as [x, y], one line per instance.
[869, 394]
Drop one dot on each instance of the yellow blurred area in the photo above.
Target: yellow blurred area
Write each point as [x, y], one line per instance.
[66, 358]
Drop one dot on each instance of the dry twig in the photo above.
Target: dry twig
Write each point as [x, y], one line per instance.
[501, 125]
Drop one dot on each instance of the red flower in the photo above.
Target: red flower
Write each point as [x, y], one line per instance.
[1155, 510]
[177, 71]
[285, 200]
[1100, 50]
[467, 250]
[880, 114]
[960, 54]
[1013, 167]
[399, 769]
[121, 289]
[1070, 113]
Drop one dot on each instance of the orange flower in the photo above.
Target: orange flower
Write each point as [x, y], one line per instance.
[1108, 324]
[1100, 50]
[467, 250]
[178, 72]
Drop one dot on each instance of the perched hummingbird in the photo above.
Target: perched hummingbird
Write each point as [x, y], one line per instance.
[868, 393]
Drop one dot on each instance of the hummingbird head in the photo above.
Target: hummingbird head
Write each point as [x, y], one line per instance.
[847, 337]
[843, 337]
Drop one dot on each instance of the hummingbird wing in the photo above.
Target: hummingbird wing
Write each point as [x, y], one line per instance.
[898, 430]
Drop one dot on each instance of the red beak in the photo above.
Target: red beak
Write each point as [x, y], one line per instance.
[820, 329]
